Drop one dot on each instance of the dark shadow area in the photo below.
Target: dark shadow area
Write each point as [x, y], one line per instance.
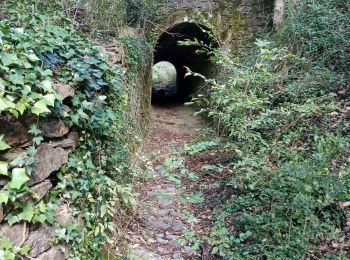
[168, 49]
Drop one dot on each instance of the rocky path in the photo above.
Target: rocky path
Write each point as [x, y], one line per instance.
[159, 229]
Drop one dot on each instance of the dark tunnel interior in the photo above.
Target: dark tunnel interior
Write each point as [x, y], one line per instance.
[168, 49]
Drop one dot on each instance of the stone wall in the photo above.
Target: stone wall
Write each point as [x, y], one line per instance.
[234, 23]
[59, 140]
[52, 153]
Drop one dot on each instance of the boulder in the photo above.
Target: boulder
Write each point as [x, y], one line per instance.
[54, 128]
[71, 140]
[115, 52]
[52, 254]
[1, 213]
[16, 233]
[66, 109]
[64, 90]
[40, 240]
[40, 190]
[15, 132]
[5, 209]
[11, 155]
[50, 160]
[3, 181]
[64, 215]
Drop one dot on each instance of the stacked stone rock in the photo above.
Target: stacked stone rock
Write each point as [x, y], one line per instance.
[59, 140]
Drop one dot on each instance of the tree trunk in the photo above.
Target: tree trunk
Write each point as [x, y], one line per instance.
[279, 13]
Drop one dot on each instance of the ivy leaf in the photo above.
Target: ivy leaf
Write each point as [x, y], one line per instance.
[82, 114]
[38, 139]
[25, 250]
[47, 85]
[17, 79]
[27, 65]
[3, 83]
[18, 30]
[32, 56]
[8, 59]
[46, 73]
[40, 107]
[92, 61]
[5, 243]
[50, 216]
[50, 99]
[3, 145]
[19, 177]
[35, 96]
[27, 214]
[75, 119]
[34, 130]
[30, 77]
[4, 168]
[9, 255]
[42, 206]
[6, 104]
[4, 197]
[22, 104]
[40, 218]
[12, 219]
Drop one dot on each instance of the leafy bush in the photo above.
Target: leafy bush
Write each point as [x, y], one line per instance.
[281, 115]
[320, 31]
[95, 17]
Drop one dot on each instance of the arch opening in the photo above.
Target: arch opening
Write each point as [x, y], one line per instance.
[181, 56]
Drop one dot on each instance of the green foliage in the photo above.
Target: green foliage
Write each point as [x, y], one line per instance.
[143, 12]
[292, 207]
[18, 178]
[9, 251]
[281, 115]
[3, 144]
[24, 85]
[137, 57]
[110, 16]
[99, 187]
[200, 147]
[319, 30]
[37, 51]
[16, 188]
[98, 18]
[192, 198]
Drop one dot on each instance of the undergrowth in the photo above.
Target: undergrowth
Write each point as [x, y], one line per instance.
[284, 110]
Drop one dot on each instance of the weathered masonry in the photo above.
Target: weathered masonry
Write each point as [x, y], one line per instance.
[217, 24]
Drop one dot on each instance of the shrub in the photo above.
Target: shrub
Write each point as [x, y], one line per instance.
[279, 110]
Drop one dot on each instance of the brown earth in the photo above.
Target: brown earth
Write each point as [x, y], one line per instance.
[157, 230]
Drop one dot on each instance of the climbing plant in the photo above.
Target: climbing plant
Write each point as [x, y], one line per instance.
[39, 51]
[25, 88]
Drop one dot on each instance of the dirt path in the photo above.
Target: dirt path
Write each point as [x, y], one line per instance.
[159, 229]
